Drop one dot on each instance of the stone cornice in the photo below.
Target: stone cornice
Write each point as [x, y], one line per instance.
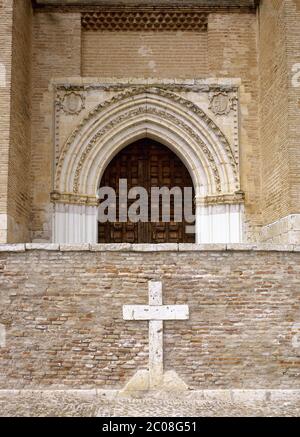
[176, 85]
[213, 3]
[150, 5]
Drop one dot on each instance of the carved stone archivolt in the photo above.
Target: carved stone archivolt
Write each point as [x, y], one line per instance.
[132, 114]
[144, 110]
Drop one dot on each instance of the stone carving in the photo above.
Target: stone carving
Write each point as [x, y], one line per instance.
[163, 115]
[136, 21]
[221, 102]
[72, 103]
[73, 198]
[189, 85]
[228, 199]
[134, 91]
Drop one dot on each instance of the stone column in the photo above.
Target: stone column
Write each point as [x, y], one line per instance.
[74, 224]
[220, 223]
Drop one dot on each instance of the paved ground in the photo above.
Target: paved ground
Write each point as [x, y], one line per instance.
[89, 404]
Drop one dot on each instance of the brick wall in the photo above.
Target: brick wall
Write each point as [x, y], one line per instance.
[56, 53]
[15, 42]
[232, 47]
[20, 128]
[144, 54]
[232, 52]
[63, 315]
[5, 87]
[274, 110]
[293, 57]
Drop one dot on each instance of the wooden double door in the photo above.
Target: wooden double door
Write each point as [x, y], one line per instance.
[146, 163]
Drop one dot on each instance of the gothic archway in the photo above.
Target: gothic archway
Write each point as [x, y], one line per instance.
[149, 165]
[175, 122]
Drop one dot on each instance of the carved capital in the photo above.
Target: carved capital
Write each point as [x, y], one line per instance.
[74, 199]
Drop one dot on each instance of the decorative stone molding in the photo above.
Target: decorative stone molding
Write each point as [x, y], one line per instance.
[226, 199]
[141, 20]
[188, 85]
[150, 93]
[154, 109]
[164, 116]
[74, 199]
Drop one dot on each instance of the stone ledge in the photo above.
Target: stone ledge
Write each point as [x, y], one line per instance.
[12, 247]
[188, 247]
[235, 395]
[74, 247]
[169, 247]
[42, 246]
[122, 247]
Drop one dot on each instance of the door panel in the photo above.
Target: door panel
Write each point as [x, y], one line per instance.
[146, 163]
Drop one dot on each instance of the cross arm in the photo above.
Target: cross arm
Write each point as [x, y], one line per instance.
[155, 312]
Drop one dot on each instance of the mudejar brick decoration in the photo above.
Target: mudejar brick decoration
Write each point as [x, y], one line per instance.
[145, 21]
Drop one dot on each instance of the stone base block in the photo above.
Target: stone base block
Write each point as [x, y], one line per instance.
[139, 384]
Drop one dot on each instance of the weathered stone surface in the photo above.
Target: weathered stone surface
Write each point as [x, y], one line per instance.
[155, 312]
[110, 247]
[42, 246]
[155, 247]
[187, 247]
[108, 403]
[12, 247]
[74, 247]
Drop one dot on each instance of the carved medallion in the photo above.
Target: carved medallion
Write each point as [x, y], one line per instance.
[73, 103]
[220, 103]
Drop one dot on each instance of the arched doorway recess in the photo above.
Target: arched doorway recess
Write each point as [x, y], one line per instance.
[150, 165]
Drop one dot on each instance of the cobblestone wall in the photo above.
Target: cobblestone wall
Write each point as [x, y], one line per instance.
[62, 310]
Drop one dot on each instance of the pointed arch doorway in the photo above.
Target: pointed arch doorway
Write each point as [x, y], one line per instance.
[147, 163]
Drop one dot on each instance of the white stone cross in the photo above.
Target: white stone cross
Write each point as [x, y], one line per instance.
[156, 313]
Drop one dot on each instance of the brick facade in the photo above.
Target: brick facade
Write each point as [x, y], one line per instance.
[63, 316]
[258, 46]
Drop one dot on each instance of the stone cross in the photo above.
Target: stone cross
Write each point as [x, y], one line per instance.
[156, 313]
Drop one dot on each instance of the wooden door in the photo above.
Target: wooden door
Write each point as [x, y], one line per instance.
[146, 163]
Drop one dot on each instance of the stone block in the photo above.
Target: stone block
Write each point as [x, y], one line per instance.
[117, 247]
[42, 246]
[12, 247]
[171, 247]
[190, 247]
[74, 247]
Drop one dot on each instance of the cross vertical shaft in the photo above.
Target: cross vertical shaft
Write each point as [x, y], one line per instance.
[156, 369]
